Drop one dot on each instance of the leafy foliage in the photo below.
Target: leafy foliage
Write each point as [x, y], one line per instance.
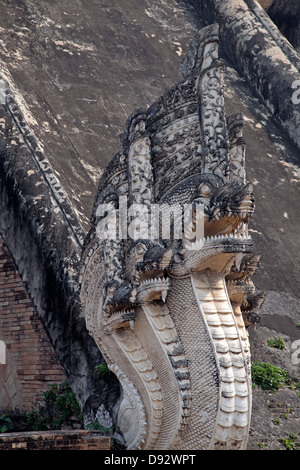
[102, 369]
[99, 427]
[277, 342]
[269, 377]
[59, 408]
[5, 423]
[290, 442]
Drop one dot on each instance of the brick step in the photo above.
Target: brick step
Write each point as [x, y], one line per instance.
[54, 440]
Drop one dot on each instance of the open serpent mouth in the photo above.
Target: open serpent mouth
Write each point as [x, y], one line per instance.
[220, 215]
[230, 231]
[231, 228]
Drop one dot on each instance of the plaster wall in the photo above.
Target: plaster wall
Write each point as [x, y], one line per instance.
[43, 237]
[262, 54]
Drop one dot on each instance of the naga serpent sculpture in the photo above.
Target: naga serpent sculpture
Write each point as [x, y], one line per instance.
[170, 313]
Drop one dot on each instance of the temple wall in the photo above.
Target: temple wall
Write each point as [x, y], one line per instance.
[10, 396]
[43, 236]
[37, 223]
[262, 54]
[54, 440]
[31, 364]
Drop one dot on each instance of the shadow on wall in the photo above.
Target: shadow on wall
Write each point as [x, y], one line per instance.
[286, 15]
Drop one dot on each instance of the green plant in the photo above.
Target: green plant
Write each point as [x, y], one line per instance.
[286, 415]
[59, 408]
[269, 377]
[102, 369]
[289, 443]
[276, 421]
[261, 445]
[66, 404]
[5, 423]
[35, 422]
[96, 425]
[277, 342]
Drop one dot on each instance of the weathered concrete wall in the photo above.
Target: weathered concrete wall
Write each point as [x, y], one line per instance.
[81, 70]
[286, 15]
[43, 236]
[261, 53]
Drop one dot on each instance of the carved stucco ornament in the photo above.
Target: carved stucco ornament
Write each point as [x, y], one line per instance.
[170, 317]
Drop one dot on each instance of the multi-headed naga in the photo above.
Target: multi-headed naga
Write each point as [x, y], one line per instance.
[166, 273]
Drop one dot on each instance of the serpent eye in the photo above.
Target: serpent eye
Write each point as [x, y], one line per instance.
[140, 249]
[205, 189]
